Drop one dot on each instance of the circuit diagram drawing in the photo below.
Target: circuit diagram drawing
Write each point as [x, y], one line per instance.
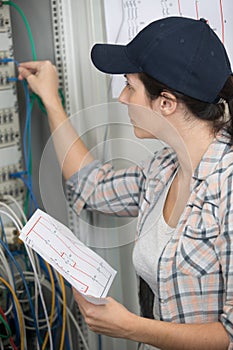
[81, 266]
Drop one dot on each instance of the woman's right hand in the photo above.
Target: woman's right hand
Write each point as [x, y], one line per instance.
[42, 79]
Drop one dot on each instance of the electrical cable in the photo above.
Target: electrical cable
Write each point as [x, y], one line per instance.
[29, 276]
[3, 234]
[21, 274]
[7, 269]
[57, 291]
[34, 56]
[27, 180]
[20, 313]
[63, 312]
[26, 143]
[20, 11]
[12, 199]
[11, 308]
[4, 321]
[46, 284]
[52, 303]
[27, 128]
[28, 183]
[25, 284]
[11, 340]
[63, 320]
[18, 226]
[29, 106]
[9, 59]
[41, 295]
[8, 330]
[11, 211]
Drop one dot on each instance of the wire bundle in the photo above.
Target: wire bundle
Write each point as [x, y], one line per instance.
[33, 297]
[26, 176]
[24, 277]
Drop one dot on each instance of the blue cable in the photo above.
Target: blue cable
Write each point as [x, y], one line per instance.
[8, 59]
[27, 291]
[26, 138]
[25, 176]
[3, 231]
[27, 141]
[28, 110]
[10, 262]
[99, 342]
[58, 322]
[12, 79]
[27, 184]
[9, 318]
[16, 321]
[28, 181]
[27, 128]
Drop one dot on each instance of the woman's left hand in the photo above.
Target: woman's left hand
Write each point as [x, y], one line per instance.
[111, 319]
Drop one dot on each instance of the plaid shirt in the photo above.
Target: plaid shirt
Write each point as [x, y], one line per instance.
[195, 274]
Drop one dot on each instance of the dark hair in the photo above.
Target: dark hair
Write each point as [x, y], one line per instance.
[215, 113]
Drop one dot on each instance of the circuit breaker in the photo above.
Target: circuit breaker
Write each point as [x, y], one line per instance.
[11, 161]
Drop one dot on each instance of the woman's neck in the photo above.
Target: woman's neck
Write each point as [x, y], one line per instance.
[190, 145]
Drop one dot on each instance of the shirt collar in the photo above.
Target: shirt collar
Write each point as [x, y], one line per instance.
[215, 152]
[167, 163]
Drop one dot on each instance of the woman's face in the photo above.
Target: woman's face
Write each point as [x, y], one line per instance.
[139, 105]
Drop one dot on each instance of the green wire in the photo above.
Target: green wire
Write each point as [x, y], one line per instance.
[20, 11]
[40, 103]
[33, 95]
[3, 336]
[11, 3]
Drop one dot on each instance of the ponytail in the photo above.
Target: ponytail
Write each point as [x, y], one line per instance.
[227, 94]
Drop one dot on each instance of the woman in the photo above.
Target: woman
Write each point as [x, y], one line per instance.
[180, 90]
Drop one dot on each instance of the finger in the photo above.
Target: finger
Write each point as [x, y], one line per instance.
[24, 73]
[76, 293]
[82, 302]
[78, 296]
[32, 64]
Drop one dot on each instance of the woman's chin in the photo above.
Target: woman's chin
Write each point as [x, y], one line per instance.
[142, 134]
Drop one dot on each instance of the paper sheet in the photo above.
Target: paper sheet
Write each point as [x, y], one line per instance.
[85, 270]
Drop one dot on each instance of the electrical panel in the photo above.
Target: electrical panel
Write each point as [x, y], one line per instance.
[10, 142]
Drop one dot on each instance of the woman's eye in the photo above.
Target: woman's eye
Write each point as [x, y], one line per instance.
[128, 84]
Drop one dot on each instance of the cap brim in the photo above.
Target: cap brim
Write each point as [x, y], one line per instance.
[112, 59]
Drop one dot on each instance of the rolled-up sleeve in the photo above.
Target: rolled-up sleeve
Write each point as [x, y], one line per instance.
[98, 187]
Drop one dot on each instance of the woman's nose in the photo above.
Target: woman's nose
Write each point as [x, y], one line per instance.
[123, 96]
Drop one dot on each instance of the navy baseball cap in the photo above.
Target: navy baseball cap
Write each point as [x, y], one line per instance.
[183, 53]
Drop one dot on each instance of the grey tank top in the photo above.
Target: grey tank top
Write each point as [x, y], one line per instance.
[150, 244]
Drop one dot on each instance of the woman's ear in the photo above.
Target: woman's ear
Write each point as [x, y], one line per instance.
[167, 103]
